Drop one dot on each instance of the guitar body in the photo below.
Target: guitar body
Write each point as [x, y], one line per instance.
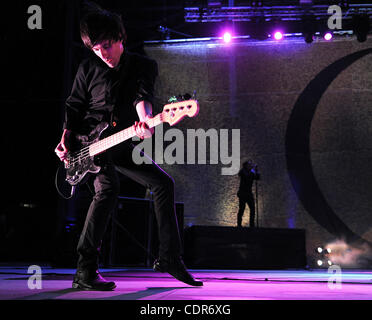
[80, 165]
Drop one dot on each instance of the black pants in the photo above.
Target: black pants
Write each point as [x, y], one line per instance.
[106, 186]
[242, 203]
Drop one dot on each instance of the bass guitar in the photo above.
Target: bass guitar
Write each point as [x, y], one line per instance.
[81, 161]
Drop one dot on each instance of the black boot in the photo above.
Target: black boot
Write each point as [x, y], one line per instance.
[91, 280]
[176, 268]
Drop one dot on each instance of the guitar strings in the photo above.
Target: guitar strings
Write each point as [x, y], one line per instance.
[84, 153]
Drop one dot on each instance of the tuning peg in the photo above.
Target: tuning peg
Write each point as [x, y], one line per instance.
[186, 96]
[172, 99]
[181, 97]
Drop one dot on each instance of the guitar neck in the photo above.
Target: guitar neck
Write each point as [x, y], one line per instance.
[121, 136]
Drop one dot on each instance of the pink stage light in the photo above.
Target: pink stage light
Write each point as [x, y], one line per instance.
[227, 37]
[328, 36]
[278, 35]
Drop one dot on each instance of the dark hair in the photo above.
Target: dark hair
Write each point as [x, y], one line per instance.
[99, 24]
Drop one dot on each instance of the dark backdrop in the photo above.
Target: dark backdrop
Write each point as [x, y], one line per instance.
[303, 110]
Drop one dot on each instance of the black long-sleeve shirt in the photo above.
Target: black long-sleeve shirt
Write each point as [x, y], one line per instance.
[100, 93]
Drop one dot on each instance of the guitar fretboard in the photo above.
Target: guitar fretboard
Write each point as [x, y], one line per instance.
[121, 136]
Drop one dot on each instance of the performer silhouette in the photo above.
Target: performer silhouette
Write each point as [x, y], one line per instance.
[247, 174]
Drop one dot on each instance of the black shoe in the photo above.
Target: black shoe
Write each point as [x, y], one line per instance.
[91, 280]
[176, 268]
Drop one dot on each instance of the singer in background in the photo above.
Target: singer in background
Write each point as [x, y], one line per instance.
[247, 174]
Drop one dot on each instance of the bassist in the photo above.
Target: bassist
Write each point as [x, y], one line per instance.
[116, 86]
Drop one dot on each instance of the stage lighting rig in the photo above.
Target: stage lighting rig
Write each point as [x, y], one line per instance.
[302, 17]
[166, 32]
[361, 26]
[324, 256]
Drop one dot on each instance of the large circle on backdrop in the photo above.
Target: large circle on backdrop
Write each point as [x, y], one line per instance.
[298, 154]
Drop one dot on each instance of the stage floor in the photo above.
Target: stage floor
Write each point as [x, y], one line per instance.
[145, 284]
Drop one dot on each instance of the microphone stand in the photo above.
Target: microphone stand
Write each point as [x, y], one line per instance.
[256, 200]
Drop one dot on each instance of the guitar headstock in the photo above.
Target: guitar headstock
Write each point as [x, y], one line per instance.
[175, 112]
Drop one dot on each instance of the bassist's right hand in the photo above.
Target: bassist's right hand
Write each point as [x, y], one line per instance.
[61, 150]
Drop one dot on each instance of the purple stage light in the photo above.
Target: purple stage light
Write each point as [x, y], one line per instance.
[227, 37]
[328, 36]
[278, 35]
